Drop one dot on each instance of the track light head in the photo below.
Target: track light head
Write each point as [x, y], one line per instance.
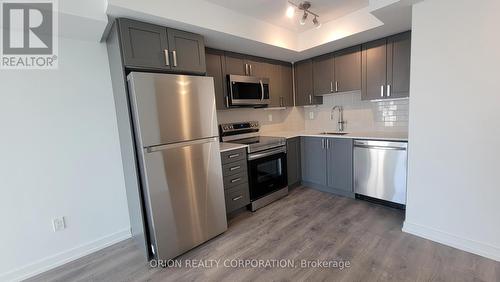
[303, 18]
[316, 23]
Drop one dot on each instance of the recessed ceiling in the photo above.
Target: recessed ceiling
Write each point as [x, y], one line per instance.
[274, 11]
[245, 26]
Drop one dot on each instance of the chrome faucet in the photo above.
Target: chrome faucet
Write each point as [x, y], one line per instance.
[341, 122]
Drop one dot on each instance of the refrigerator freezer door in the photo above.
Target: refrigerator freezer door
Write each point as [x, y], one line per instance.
[184, 194]
[171, 108]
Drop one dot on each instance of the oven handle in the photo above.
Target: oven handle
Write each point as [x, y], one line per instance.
[266, 153]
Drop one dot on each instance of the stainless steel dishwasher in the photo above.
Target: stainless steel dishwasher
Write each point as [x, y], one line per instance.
[380, 170]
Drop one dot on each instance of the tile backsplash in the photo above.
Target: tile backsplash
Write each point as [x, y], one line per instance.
[289, 119]
[390, 115]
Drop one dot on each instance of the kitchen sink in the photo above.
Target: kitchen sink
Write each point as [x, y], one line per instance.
[334, 133]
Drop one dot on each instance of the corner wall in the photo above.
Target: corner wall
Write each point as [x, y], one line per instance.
[60, 156]
[454, 129]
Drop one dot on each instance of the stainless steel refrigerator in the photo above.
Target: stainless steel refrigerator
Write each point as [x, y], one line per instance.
[175, 126]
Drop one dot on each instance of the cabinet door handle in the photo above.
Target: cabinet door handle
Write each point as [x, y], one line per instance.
[167, 59]
[174, 55]
[327, 144]
[246, 69]
[336, 86]
[235, 180]
[331, 86]
[322, 143]
[251, 72]
[382, 91]
[310, 99]
[235, 168]
[227, 101]
[238, 198]
[388, 90]
[234, 156]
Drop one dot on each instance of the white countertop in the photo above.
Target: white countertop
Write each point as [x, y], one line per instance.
[373, 135]
[226, 146]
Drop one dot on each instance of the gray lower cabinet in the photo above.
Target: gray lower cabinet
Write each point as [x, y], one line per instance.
[327, 164]
[152, 47]
[313, 155]
[235, 178]
[293, 160]
[339, 164]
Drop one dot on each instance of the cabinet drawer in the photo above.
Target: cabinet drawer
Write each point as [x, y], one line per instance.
[235, 180]
[237, 197]
[234, 168]
[233, 155]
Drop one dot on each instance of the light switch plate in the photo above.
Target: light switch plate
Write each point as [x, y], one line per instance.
[270, 117]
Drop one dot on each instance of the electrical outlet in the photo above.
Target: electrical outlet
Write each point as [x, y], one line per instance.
[58, 223]
[311, 115]
[270, 117]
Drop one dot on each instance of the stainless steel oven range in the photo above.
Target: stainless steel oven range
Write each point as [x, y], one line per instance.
[266, 161]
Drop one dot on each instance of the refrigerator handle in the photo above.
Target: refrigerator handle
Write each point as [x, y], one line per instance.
[157, 148]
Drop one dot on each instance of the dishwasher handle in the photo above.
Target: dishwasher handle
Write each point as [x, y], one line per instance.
[382, 145]
[380, 148]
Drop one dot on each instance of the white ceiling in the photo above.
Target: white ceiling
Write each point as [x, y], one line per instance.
[234, 25]
[274, 11]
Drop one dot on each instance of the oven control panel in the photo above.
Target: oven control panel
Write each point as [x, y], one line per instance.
[250, 126]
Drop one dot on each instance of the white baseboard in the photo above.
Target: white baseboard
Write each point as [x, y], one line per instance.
[444, 238]
[61, 258]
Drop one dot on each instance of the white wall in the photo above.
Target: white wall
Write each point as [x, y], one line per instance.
[454, 130]
[59, 157]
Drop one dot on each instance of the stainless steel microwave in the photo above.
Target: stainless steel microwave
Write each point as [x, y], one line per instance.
[247, 91]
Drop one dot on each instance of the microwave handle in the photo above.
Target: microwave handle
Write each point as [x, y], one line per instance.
[262, 90]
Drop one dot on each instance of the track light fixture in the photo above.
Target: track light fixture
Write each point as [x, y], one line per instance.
[303, 6]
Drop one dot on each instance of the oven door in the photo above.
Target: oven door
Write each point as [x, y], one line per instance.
[248, 91]
[267, 172]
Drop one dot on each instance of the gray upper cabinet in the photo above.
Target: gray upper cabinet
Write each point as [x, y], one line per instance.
[279, 74]
[281, 85]
[398, 65]
[304, 94]
[347, 69]
[275, 86]
[148, 46]
[287, 84]
[374, 70]
[313, 155]
[187, 50]
[386, 67]
[323, 74]
[214, 62]
[258, 67]
[293, 161]
[235, 64]
[339, 164]
[143, 45]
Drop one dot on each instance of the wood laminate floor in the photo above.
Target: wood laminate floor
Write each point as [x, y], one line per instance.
[307, 225]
